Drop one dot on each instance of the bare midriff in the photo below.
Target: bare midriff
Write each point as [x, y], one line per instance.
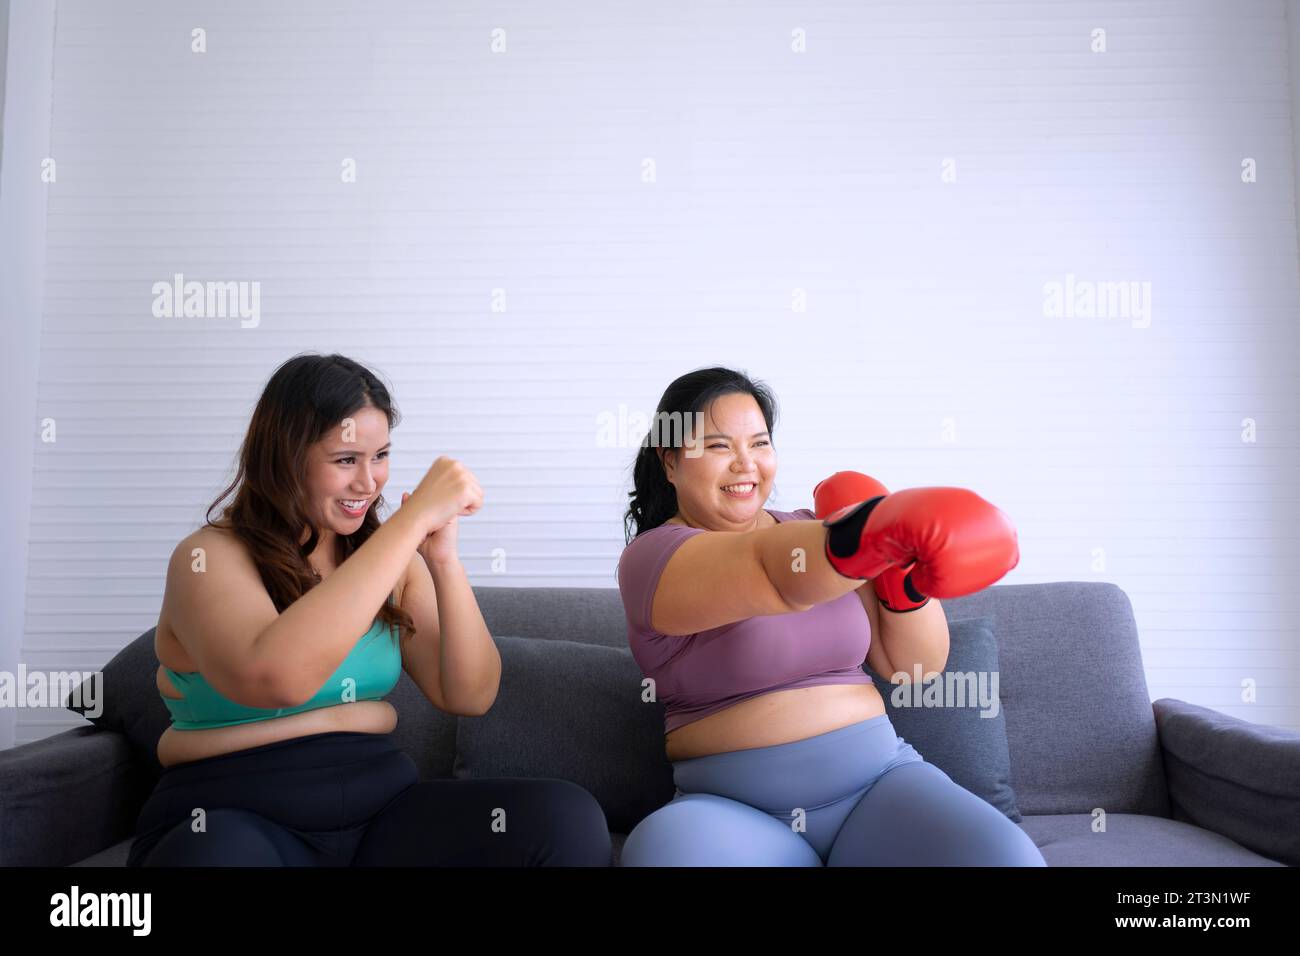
[776, 718]
[362, 716]
[180, 746]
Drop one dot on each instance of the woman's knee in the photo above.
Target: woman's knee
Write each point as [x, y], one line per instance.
[575, 824]
[495, 821]
[916, 815]
[228, 837]
[704, 829]
[556, 822]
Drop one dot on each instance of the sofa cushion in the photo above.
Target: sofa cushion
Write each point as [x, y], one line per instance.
[1079, 721]
[574, 711]
[131, 704]
[966, 736]
[1133, 840]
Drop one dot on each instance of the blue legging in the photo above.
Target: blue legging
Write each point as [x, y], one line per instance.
[856, 796]
[355, 799]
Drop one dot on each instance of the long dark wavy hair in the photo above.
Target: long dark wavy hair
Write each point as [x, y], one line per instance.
[306, 397]
[654, 499]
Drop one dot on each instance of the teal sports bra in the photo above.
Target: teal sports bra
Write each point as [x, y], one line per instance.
[369, 672]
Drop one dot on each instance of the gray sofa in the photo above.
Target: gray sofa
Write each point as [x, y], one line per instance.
[1181, 785]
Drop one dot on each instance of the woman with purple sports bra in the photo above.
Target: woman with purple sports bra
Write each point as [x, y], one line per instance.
[754, 626]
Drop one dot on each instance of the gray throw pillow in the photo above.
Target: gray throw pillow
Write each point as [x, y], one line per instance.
[131, 704]
[572, 711]
[970, 748]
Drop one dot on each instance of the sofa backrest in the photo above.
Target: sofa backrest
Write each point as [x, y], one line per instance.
[1080, 726]
[585, 615]
[1079, 720]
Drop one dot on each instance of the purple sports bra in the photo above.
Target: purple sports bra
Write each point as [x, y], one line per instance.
[700, 674]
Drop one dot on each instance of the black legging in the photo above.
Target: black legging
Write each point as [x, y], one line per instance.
[355, 799]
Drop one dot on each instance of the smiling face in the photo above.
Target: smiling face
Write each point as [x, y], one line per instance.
[350, 464]
[735, 449]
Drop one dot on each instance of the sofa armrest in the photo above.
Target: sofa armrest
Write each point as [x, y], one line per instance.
[69, 796]
[1239, 779]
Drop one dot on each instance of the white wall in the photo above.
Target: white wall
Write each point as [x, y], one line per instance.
[923, 355]
[1293, 22]
[26, 62]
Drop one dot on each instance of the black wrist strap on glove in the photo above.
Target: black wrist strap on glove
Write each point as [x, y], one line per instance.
[845, 535]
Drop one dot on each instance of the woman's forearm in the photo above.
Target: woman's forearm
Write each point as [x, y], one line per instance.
[793, 554]
[916, 639]
[314, 633]
[469, 669]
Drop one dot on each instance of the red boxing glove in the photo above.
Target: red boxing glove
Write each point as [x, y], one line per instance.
[954, 541]
[893, 586]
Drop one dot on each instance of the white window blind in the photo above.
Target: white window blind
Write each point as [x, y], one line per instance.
[558, 210]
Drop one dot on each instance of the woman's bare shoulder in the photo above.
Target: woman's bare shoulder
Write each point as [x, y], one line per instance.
[211, 535]
[211, 548]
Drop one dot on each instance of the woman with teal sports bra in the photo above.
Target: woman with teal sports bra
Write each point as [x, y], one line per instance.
[280, 751]
[373, 668]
